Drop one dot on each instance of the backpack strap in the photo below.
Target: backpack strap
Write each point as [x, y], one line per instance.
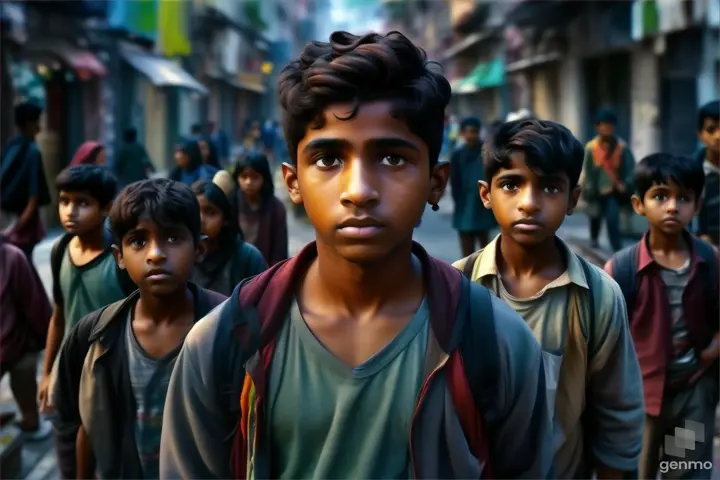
[624, 266]
[470, 264]
[229, 355]
[708, 254]
[477, 334]
[56, 257]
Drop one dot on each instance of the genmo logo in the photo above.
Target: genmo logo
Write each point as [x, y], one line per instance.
[684, 465]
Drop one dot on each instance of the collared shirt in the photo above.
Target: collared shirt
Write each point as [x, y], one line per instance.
[609, 385]
[651, 322]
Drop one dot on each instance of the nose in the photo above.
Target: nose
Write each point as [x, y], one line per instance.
[359, 190]
[528, 201]
[156, 254]
[671, 205]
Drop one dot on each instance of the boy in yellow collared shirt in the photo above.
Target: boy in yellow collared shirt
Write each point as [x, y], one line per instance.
[575, 310]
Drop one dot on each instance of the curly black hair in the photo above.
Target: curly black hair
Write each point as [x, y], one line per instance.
[371, 67]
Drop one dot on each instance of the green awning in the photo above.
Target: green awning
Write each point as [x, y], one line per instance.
[484, 75]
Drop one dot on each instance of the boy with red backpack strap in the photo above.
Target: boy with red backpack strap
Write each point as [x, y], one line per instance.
[670, 283]
[361, 357]
[574, 309]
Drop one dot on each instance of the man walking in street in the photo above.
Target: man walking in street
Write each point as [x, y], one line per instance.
[24, 187]
[472, 221]
[608, 176]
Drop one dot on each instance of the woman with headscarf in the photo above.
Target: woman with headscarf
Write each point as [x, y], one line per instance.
[189, 164]
[89, 153]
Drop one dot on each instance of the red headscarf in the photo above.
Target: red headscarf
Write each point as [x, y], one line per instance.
[86, 154]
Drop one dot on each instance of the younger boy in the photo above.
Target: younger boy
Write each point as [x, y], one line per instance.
[574, 309]
[362, 357]
[669, 280]
[709, 158]
[116, 363]
[85, 275]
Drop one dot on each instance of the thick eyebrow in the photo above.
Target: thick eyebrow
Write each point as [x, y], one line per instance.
[551, 177]
[338, 144]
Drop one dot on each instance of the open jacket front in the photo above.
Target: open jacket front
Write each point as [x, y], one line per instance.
[448, 437]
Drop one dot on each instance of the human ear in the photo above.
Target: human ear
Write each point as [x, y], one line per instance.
[438, 181]
[484, 190]
[638, 205]
[290, 176]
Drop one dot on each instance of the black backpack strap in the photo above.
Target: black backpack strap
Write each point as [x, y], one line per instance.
[229, 355]
[470, 264]
[624, 267]
[476, 333]
[56, 257]
[707, 252]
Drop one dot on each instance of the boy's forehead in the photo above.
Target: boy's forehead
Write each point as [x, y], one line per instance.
[75, 193]
[146, 223]
[517, 166]
[372, 120]
[669, 184]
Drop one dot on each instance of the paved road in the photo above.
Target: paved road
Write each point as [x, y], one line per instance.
[435, 233]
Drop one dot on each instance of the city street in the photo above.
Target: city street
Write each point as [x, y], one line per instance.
[435, 233]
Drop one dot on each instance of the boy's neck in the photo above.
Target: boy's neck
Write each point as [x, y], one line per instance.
[712, 157]
[167, 308]
[519, 260]
[92, 240]
[362, 288]
[661, 242]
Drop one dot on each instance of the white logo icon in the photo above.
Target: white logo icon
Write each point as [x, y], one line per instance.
[684, 439]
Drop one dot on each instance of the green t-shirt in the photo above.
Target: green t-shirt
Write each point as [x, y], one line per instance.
[328, 420]
[88, 287]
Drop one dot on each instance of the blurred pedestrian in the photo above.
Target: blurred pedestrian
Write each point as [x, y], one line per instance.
[709, 157]
[132, 163]
[208, 151]
[228, 258]
[471, 219]
[607, 178]
[222, 142]
[89, 153]
[189, 164]
[24, 187]
[25, 314]
[262, 216]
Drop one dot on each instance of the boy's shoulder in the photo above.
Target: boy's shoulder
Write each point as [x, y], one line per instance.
[10, 253]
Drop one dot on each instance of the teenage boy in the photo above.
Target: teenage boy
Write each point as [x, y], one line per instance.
[670, 282]
[401, 369]
[85, 275]
[472, 221]
[607, 178]
[709, 158]
[24, 187]
[116, 363]
[574, 309]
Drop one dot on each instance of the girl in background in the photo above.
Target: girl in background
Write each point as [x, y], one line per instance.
[228, 259]
[262, 216]
[208, 151]
[189, 164]
[89, 153]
